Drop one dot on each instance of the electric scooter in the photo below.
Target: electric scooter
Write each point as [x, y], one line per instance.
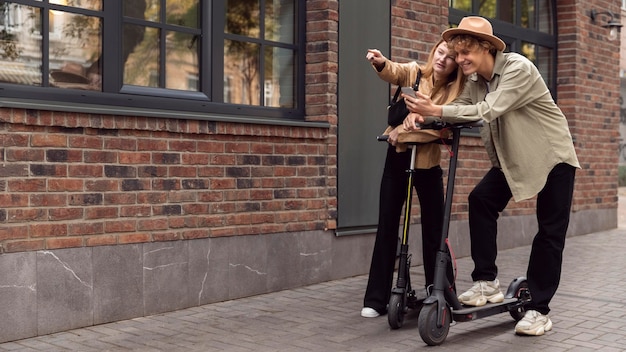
[442, 306]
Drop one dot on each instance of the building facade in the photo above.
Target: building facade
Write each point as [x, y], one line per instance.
[160, 155]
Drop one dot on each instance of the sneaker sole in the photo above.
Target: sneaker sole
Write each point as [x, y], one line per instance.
[373, 314]
[540, 330]
[482, 300]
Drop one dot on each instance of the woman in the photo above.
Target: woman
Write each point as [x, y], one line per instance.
[442, 81]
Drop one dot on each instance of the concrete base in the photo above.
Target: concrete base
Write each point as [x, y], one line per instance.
[50, 291]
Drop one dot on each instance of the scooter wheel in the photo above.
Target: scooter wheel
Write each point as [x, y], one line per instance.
[523, 294]
[432, 334]
[396, 310]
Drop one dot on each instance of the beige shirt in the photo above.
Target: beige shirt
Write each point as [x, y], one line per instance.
[525, 133]
[404, 75]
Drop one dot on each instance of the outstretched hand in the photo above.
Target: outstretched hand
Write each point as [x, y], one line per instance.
[375, 57]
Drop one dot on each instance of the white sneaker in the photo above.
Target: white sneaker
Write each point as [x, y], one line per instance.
[481, 293]
[533, 323]
[367, 312]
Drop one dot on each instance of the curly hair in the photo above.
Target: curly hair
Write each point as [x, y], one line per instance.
[470, 42]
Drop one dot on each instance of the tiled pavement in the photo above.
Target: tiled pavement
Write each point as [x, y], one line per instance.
[588, 312]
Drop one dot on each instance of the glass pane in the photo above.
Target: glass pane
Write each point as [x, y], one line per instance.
[541, 57]
[463, 5]
[83, 4]
[141, 55]
[242, 17]
[487, 8]
[75, 49]
[279, 83]
[181, 61]
[183, 13]
[528, 50]
[528, 14]
[545, 63]
[506, 10]
[142, 9]
[280, 20]
[20, 44]
[544, 15]
[241, 72]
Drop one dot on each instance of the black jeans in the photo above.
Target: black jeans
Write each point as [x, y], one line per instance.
[554, 202]
[428, 184]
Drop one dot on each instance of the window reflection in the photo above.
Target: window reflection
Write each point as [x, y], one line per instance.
[242, 17]
[544, 17]
[244, 82]
[83, 4]
[280, 20]
[148, 10]
[75, 49]
[182, 64]
[487, 8]
[241, 67]
[463, 5]
[183, 13]
[20, 44]
[142, 45]
[279, 78]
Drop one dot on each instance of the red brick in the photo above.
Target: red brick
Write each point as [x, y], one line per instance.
[23, 246]
[48, 230]
[100, 240]
[133, 238]
[69, 242]
[48, 140]
[13, 232]
[85, 228]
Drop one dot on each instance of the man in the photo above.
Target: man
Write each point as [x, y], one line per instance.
[532, 153]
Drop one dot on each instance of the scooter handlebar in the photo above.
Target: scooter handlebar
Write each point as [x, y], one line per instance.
[382, 138]
[439, 125]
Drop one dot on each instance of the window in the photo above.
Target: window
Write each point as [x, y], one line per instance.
[527, 27]
[235, 57]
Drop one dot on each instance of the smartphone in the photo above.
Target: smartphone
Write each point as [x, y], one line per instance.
[408, 91]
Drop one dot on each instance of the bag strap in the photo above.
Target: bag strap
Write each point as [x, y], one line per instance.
[416, 86]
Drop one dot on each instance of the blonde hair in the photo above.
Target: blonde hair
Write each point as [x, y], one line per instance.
[444, 91]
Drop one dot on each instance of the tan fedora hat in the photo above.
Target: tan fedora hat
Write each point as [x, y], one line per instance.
[478, 27]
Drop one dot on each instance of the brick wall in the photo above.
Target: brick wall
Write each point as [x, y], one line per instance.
[588, 94]
[73, 180]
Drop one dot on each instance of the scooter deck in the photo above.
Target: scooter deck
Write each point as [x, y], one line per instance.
[472, 313]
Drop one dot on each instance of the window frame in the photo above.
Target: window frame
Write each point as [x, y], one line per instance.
[118, 99]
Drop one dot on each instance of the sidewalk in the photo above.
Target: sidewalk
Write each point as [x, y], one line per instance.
[588, 312]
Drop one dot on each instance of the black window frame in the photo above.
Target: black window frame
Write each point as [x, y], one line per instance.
[118, 99]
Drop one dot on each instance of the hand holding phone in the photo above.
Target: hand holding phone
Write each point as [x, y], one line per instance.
[408, 91]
